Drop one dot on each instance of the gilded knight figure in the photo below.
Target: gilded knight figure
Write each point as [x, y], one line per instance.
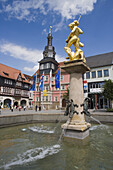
[73, 38]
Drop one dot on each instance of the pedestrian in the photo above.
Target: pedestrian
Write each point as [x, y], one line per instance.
[19, 108]
[12, 108]
[0, 109]
[36, 108]
[24, 108]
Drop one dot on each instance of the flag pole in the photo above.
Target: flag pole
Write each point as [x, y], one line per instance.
[43, 94]
[60, 90]
[35, 89]
[40, 97]
[51, 87]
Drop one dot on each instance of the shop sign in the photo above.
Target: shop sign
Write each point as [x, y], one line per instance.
[96, 90]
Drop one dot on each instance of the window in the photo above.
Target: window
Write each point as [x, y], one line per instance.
[53, 66]
[6, 81]
[83, 76]
[63, 87]
[48, 65]
[50, 54]
[26, 85]
[37, 88]
[42, 66]
[56, 88]
[93, 74]
[47, 88]
[50, 98]
[7, 74]
[18, 84]
[37, 99]
[99, 73]
[42, 98]
[45, 66]
[93, 85]
[96, 85]
[46, 98]
[37, 80]
[56, 99]
[106, 73]
[46, 78]
[88, 75]
[61, 78]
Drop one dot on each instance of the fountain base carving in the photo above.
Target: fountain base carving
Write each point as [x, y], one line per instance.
[76, 131]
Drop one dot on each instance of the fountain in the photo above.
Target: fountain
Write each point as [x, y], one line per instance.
[38, 148]
[77, 127]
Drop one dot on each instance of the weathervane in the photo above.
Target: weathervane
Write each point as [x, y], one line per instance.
[50, 27]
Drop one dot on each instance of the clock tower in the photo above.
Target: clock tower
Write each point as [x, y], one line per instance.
[48, 62]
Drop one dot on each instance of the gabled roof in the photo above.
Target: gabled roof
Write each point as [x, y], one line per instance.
[37, 72]
[11, 73]
[100, 60]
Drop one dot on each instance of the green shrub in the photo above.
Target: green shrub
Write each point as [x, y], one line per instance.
[109, 110]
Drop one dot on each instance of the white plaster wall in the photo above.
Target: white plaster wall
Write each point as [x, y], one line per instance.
[110, 68]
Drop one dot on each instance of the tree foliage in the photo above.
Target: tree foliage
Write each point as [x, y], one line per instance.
[108, 90]
[66, 94]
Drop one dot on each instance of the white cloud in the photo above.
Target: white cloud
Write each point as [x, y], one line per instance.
[22, 53]
[29, 10]
[32, 69]
[59, 58]
[44, 31]
[19, 52]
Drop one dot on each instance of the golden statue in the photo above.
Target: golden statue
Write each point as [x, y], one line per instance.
[73, 39]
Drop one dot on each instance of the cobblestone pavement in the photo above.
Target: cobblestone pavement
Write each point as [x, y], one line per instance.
[16, 111]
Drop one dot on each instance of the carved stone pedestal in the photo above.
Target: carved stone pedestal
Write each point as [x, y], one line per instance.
[77, 128]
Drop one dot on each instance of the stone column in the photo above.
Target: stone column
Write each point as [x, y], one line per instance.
[77, 123]
[76, 93]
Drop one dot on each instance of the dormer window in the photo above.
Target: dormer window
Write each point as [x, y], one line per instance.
[7, 74]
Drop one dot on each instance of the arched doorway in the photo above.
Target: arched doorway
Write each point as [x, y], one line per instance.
[63, 103]
[23, 103]
[7, 103]
[16, 104]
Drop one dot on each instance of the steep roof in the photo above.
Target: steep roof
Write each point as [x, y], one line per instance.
[11, 73]
[100, 60]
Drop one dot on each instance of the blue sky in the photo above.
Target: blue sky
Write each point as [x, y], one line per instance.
[24, 26]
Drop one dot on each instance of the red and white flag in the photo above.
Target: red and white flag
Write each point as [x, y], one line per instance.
[50, 80]
[85, 84]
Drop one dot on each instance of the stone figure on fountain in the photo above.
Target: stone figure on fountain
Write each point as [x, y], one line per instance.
[85, 107]
[70, 109]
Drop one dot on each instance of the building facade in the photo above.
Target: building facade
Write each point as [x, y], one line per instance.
[101, 69]
[14, 87]
[50, 99]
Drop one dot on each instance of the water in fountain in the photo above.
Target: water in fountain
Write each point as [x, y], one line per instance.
[63, 130]
[34, 150]
[95, 120]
